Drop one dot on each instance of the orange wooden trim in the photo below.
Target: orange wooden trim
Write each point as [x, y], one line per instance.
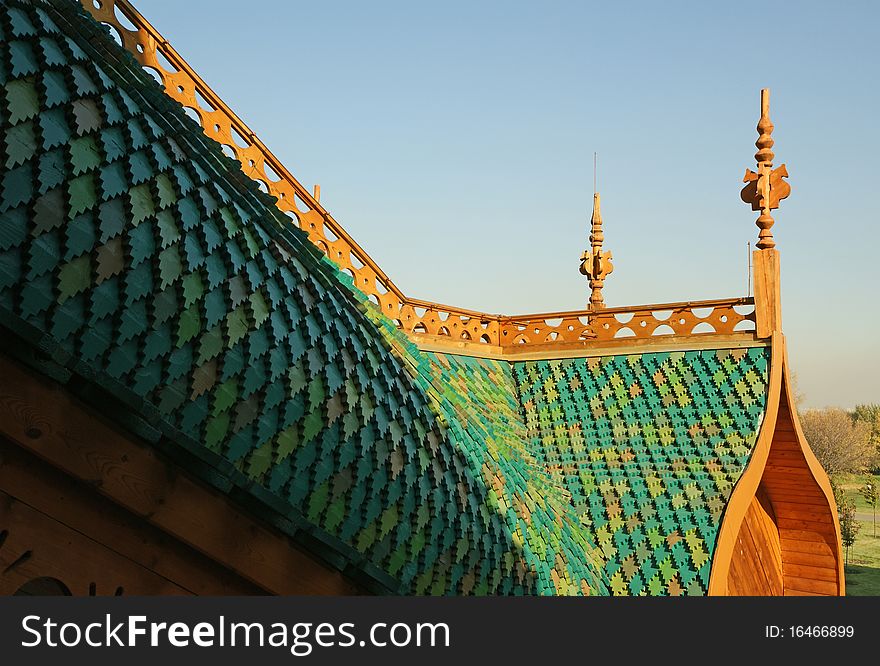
[157, 42]
[586, 348]
[659, 307]
[221, 124]
[747, 486]
[768, 310]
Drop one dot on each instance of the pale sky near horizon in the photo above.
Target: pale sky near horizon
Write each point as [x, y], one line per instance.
[454, 141]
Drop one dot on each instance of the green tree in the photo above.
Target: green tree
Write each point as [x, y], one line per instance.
[841, 443]
[869, 492]
[870, 415]
[849, 526]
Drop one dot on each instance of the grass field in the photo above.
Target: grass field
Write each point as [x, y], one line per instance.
[863, 570]
[852, 483]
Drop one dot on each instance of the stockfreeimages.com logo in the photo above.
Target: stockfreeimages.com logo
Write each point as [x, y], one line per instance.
[300, 638]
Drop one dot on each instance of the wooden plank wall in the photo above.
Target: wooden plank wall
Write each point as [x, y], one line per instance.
[806, 525]
[756, 565]
[788, 500]
[119, 477]
[54, 527]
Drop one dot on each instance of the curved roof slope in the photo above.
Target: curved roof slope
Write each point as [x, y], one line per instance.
[130, 242]
[141, 258]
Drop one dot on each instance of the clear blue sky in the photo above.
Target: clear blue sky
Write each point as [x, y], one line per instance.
[454, 141]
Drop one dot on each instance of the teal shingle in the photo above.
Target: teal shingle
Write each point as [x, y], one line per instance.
[447, 474]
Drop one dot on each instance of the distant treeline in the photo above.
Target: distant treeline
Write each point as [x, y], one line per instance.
[844, 441]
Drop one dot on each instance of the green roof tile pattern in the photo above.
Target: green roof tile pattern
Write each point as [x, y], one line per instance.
[478, 402]
[650, 447]
[140, 260]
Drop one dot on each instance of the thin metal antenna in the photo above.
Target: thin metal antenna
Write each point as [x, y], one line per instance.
[595, 160]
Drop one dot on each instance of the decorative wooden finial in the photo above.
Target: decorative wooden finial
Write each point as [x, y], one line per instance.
[765, 189]
[595, 263]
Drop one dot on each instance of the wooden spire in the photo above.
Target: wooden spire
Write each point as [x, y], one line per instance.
[596, 263]
[765, 189]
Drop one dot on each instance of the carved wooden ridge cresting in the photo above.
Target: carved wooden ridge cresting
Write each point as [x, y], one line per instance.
[416, 317]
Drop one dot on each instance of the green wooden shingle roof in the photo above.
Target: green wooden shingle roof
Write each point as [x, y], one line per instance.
[141, 262]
